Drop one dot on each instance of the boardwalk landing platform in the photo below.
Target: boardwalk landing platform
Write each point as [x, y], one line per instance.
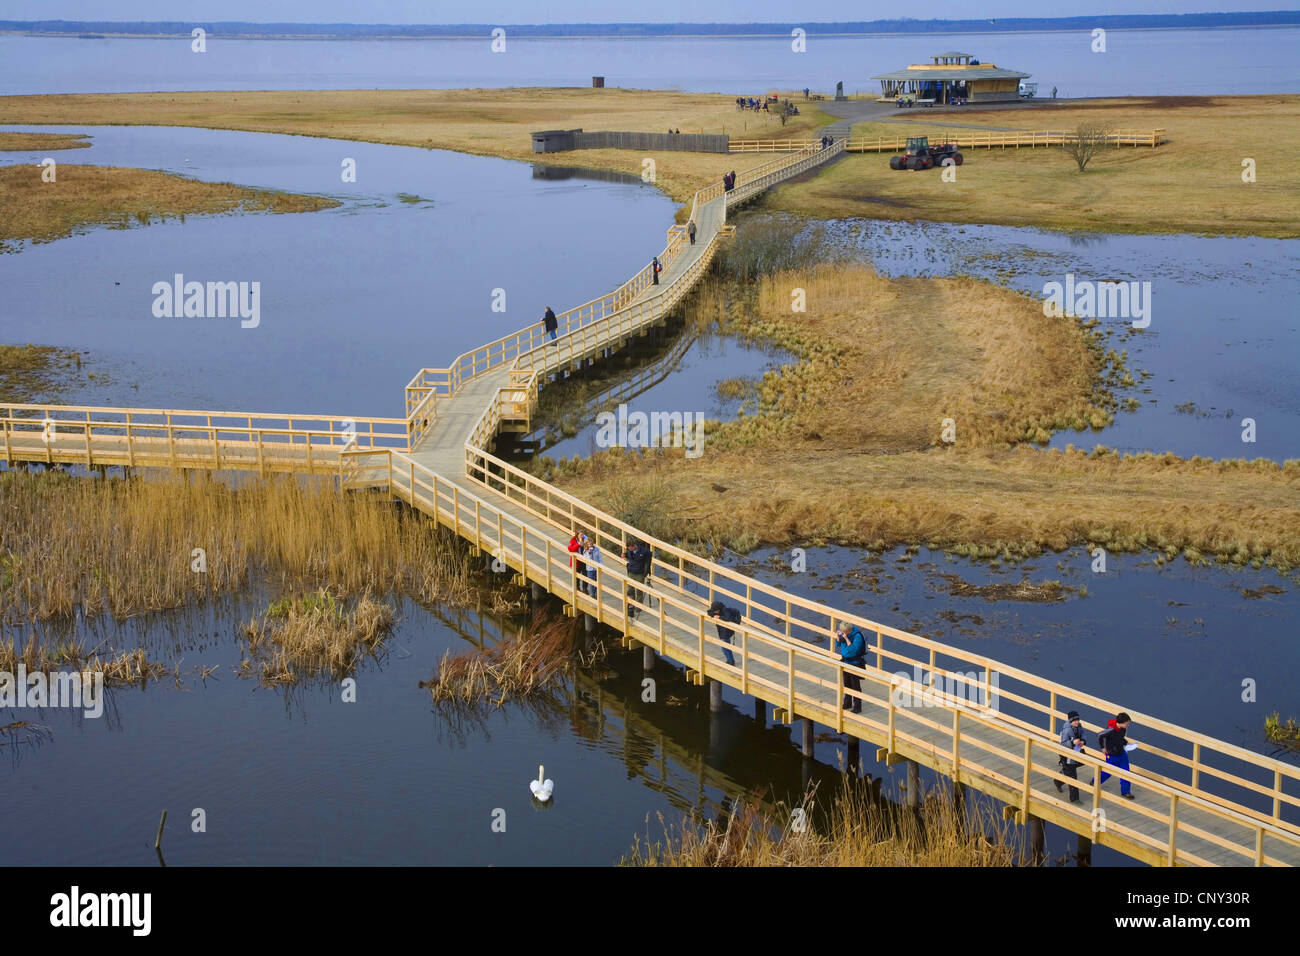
[1200, 801]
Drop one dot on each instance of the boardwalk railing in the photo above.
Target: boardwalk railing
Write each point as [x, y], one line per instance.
[425, 388]
[173, 438]
[973, 741]
[967, 139]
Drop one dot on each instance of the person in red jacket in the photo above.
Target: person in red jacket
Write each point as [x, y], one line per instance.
[576, 544]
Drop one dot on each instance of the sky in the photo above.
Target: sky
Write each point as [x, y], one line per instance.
[592, 11]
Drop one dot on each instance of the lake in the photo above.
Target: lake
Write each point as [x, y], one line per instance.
[1136, 62]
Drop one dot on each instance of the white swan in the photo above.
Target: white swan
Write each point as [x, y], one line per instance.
[541, 787]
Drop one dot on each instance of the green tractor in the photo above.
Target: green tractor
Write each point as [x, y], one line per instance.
[921, 155]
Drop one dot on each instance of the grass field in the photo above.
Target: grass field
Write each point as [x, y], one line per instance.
[484, 122]
[846, 445]
[1193, 183]
[21, 142]
[84, 196]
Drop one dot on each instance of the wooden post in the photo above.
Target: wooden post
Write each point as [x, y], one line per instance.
[807, 738]
[647, 657]
[1037, 839]
[913, 784]
[1083, 851]
[1173, 830]
[715, 696]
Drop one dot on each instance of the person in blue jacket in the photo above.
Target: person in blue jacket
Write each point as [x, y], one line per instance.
[852, 648]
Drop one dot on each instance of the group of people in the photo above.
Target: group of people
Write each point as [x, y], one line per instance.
[729, 181]
[754, 103]
[586, 559]
[827, 141]
[675, 132]
[1112, 743]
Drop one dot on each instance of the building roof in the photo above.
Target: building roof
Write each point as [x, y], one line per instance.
[954, 53]
[952, 73]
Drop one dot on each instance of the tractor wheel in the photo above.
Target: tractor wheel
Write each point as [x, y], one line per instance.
[895, 162]
[956, 158]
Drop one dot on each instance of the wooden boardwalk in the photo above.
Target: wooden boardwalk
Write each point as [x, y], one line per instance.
[1200, 801]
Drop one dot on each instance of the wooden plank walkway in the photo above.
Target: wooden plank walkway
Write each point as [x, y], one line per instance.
[1199, 800]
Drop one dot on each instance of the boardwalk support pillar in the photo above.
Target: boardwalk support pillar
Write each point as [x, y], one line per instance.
[588, 622]
[715, 696]
[1037, 839]
[647, 658]
[855, 756]
[760, 711]
[1083, 851]
[535, 591]
[807, 738]
[913, 783]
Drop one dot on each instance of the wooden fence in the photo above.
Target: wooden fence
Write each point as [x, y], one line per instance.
[966, 139]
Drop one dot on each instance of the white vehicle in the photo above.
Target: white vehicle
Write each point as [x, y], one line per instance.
[1027, 90]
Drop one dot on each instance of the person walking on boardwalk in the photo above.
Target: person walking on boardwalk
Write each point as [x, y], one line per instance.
[550, 322]
[852, 648]
[690, 230]
[1072, 737]
[592, 553]
[576, 544]
[638, 558]
[720, 612]
[655, 269]
[1115, 746]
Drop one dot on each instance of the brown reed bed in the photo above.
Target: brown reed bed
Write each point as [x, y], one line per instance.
[847, 444]
[123, 668]
[528, 666]
[857, 832]
[315, 636]
[128, 547]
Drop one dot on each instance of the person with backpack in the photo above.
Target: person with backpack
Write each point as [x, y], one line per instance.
[1072, 737]
[690, 230]
[852, 648]
[638, 559]
[550, 322]
[720, 612]
[1114, 745]
[655, 269]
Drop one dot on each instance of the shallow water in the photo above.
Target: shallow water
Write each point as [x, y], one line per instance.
[354, 300]
[1222, 337]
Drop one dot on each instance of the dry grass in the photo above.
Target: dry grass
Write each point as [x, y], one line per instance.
[127, 667]
[120, 198]
[483, 122]
[845, 446]
[126, 547]
[1190, 184]
[858, 833]
[315, 636]
[33, 373]
[31, 142]
[516, 669]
